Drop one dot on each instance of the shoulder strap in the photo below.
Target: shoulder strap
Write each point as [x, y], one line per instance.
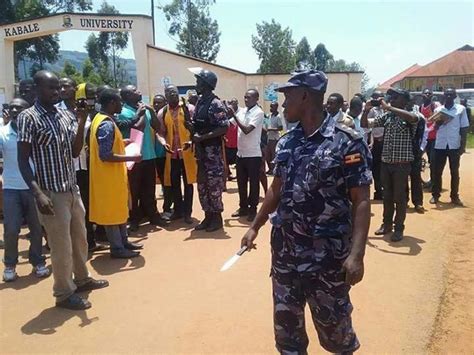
[350, 131]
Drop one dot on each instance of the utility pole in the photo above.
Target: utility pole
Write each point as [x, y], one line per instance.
[190, 37]
[153, 19]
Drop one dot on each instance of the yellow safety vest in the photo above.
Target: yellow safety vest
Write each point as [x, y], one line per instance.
[108, 201]
[190, 165]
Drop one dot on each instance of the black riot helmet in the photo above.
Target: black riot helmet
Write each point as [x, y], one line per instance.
[206, 75]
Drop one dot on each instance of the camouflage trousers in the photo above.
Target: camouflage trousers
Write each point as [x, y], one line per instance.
[210, 180]
[325, 292]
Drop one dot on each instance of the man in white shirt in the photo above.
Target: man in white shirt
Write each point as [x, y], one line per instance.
[249, 155]
[450, 144]
[273, 126]
[334, 109]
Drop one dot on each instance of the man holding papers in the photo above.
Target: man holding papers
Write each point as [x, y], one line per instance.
[108, 177]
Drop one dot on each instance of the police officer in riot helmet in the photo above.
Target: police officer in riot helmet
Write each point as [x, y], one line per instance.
[209, 126]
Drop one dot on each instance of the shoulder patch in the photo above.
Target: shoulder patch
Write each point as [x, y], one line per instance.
[350, 131]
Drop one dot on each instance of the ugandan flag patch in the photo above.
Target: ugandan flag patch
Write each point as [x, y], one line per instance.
[352, 159]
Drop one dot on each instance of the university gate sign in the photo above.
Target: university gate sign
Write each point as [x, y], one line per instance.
[139, 26]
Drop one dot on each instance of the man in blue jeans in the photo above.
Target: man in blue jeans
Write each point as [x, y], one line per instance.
[18, 202]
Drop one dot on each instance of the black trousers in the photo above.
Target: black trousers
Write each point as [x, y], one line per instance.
[416, 183]
[395, 180]
[376, 166]
[182, 206]
[440, 157]
[167, 192]
[82, 177]
[142, 181]
[430, 154]
[248, 171]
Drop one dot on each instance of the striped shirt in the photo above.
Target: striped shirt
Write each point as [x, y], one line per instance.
[51, 135]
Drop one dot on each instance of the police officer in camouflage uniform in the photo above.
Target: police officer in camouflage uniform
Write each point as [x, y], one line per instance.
[210, 123]
[320, 211]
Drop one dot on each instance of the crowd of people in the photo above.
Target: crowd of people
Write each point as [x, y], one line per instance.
[70, 154]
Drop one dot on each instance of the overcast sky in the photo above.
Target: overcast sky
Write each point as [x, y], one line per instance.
[385, 37]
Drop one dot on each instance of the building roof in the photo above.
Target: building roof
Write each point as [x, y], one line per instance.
[399, 77]
[458, 62]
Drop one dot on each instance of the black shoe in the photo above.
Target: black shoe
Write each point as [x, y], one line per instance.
[396, 236]
[419, 209]
[434, 200]
[204, 223]
[456, 201]
[378, 197]
[133, 227]
[240, 212]
[92, 285]
[158, 221]
[74, 302]
[175, 216]
[133, 246]
[124, 254]
[252, 215]
[216, 223]
[188, 220]
[382, 230]
[92, 246]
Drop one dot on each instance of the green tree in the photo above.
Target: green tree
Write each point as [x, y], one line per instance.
[41, 49]
[88, 73]
[304, 57]
[275, 48]
[198, 34]
[70, 71]
[322, 57]
[105, 49]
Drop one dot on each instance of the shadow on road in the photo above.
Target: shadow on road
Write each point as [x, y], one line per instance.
[443, 206]
[239, 224]
[412, 243]
[232, 190]
[103, 264]
[144, 230]
[52, 318]
[218, 235]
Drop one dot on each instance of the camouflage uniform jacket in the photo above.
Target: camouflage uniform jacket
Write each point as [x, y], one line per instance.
[317, 173]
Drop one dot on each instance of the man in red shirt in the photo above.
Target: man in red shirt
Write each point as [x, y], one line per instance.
[231, 141]
[427, 109]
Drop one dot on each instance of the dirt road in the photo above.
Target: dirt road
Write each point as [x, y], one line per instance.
[416, 296]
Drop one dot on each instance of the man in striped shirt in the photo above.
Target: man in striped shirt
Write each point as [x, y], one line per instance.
[52, 137]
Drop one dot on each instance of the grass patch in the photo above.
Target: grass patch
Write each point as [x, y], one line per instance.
[470, 141]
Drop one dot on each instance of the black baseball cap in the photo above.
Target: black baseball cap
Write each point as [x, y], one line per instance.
[399, 92]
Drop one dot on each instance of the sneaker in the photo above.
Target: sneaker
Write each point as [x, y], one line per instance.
[9, 274]
[41, 271]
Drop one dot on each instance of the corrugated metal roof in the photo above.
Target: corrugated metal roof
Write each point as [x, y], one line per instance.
[388, 84]
[458, 62]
